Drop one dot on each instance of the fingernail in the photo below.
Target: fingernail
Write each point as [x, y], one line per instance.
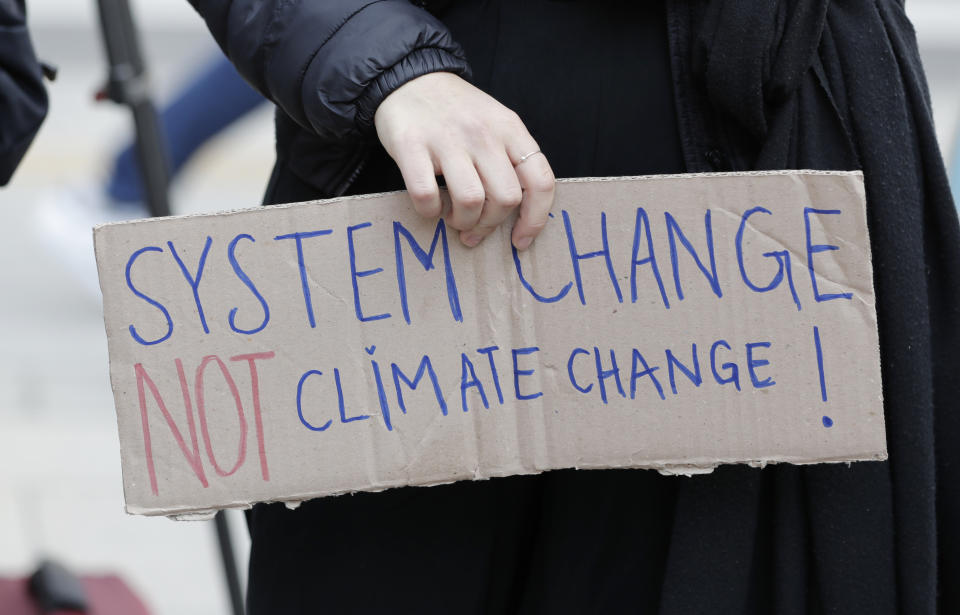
[523, 243]
[471, 240]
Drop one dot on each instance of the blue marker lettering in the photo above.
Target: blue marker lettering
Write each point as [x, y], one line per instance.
[573, 379]
[643, 222]
[343, 414]
[576, 257]
[823, 380]
[517, 372]
[355, 275]
[489, 350]
[523, 281]
[473, 381]
[303, 419]
[674, 232]
[816, 248]
[782, 257]
[153, 302]
[603, 374]
[304, 283]
[754, 363]
[194, 281]
[232, 318]
[426, 260]
[426, 367]
[638, 361]
[694, 376]
[381, 393]
[731, 368]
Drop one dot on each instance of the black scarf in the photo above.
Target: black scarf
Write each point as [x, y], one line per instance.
[833, 85]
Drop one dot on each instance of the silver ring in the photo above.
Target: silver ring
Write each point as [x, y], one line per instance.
[524, 158]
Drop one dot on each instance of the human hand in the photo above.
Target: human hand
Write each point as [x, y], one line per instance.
[438, 124]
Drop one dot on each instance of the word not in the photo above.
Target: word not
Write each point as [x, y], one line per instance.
[192, 452]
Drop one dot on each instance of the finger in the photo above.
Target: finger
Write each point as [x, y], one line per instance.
[503, 195]
[419, 176]
[466, 190]
[538, 183]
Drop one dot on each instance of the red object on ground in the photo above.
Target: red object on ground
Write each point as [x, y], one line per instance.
[107, 595]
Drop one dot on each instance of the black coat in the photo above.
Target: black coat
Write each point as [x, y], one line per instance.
[328, 65]
[758, 84]
[23, 99]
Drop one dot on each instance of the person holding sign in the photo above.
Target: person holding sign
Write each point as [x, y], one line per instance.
[498, 96]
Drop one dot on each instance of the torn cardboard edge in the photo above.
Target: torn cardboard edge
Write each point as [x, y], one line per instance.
[685, 469]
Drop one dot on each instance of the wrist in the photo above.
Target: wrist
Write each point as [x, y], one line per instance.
[417, 63]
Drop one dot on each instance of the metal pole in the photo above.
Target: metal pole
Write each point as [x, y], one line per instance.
[229, 562]
[127, 85]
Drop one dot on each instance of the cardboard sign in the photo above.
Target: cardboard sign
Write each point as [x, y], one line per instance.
[672, 322]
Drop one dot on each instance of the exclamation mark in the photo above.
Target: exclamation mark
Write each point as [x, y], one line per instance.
[827, 421]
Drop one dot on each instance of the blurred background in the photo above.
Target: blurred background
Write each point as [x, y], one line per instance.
[60, 485]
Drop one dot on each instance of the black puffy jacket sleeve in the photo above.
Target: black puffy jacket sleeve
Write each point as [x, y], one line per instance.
[329, 63]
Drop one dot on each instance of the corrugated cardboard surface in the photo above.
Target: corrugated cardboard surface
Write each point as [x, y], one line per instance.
[752, 367]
